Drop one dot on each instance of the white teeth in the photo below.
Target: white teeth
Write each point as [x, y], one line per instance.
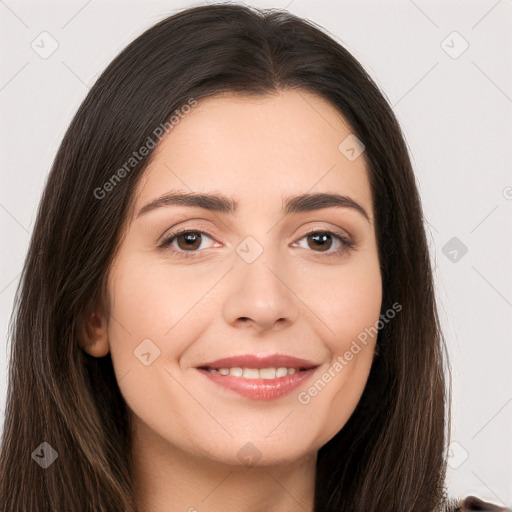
[267, 373]
[250, 373]
[237, 372]
[255, 373]
[281, 372]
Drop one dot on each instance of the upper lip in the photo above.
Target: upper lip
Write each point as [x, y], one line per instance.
[260, 361]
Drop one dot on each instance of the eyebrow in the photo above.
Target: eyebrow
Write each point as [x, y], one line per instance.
[219, 203]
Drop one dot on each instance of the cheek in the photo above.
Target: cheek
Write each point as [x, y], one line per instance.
[150, 312]
[350, 313]
[151, 326]
[347, 299]
[150, 299]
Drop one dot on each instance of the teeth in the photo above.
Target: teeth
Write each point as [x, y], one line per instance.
[255, 373]
[250, 373]
[237, 372]
[281, 372]
[267, 373]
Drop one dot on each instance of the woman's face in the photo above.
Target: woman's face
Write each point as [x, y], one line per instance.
[251, 280]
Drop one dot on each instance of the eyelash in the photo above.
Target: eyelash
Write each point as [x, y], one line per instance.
[345, 242]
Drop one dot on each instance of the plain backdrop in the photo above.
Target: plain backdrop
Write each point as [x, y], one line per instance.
[444, 66]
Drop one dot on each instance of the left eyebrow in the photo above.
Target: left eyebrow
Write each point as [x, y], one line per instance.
[220, 203]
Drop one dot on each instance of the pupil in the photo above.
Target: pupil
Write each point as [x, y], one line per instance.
[190, 239]
[324, 237]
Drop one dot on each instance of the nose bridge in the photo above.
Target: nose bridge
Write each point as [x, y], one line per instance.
[259, 291]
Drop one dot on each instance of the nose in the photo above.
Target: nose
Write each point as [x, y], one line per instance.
[260, 296]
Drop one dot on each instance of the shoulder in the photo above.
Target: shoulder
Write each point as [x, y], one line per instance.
[471, 503]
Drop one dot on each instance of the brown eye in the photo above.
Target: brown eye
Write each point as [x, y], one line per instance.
[189, 240]
[327, 243]
[321, 241]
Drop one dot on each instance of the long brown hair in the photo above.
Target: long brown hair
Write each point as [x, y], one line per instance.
[391, 454]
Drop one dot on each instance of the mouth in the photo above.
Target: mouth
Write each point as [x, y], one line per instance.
[260, 377]
[270, 373]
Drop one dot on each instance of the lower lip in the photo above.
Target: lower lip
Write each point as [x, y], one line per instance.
[260, 389]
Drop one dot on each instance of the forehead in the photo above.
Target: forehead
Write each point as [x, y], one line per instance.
[265, 148]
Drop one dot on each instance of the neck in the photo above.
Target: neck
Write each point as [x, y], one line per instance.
[167, 479]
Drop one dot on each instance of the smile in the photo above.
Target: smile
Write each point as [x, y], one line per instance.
[255, 373]
[258, 384]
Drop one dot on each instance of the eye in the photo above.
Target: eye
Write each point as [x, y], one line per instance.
[188, 241]
[325, 240]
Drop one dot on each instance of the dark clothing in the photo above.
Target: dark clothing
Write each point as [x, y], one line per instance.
[473, 503]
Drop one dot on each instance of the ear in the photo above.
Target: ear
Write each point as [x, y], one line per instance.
[93, 337]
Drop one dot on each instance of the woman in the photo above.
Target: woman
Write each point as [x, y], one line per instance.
[228, 301]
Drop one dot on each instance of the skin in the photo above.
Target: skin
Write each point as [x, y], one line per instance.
[292, 299]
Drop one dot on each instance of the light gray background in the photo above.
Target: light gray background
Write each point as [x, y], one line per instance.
[456, 114]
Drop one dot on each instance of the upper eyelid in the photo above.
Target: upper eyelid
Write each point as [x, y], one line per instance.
[314, 229]
[334, 229]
